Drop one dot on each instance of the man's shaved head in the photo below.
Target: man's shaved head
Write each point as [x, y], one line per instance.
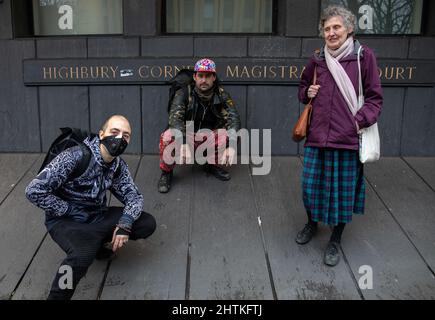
[116, 125]
[116, 116]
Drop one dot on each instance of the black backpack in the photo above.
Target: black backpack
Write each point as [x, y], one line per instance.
[70, 137]
[182, 80]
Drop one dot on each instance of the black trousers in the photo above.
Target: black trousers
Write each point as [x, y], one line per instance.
[81, 241]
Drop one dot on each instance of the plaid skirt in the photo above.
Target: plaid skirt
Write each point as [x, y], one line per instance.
[333, 184]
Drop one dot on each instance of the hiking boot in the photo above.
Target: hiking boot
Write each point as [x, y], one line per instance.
[104, 253]
[217, 171]
[304, 236]
[332, 254]
[164, 184]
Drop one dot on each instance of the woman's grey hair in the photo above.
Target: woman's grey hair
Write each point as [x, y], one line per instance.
[349, 19]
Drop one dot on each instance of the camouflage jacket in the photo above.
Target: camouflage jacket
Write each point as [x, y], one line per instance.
[183, 109]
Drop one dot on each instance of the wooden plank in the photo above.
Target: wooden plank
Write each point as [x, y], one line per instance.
[21, 232]
[36, 283]
[14, 166]
[425, 167]
[298, 271]
[376, 240]
[155, 268]
[410, 201]
[227, 256]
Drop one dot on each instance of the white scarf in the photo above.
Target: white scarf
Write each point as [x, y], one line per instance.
[339, 74]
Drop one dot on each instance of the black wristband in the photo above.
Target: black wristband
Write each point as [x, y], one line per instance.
[122, 232]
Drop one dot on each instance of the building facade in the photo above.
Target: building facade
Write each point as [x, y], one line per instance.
[75, 62]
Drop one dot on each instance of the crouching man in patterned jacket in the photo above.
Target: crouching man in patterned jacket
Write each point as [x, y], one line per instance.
[77, 217]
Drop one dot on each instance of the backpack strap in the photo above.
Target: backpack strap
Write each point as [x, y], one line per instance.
[83, 164]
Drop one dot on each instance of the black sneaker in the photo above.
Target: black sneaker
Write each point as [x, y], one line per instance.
[164, 184]
[304, 236]
[104, 253]
[217, 171]
[332, 254]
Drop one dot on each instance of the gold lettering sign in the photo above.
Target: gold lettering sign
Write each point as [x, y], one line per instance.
[79, 73]
[157, 72]
[238, 70]
[396, 73]
[264, 72]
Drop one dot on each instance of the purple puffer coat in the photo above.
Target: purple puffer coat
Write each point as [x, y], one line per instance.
[332, 123]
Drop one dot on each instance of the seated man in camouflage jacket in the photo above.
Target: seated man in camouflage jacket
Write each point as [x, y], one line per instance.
[77, 216]
[207, 106]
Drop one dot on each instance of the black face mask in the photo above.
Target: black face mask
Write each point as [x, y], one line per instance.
[115, 146]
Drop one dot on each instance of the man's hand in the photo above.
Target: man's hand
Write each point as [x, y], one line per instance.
[228, 156]
[118, 240]
[185, 154]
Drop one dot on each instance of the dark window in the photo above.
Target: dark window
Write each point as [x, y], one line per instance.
[384, 17]
[219, 16]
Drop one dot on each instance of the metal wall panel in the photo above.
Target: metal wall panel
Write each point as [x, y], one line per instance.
[276, 108]
[390, 121]
[106, 101]
[62, 106]
[5, 20]
[154, 116]
[274, 47]
[221, 46]
[167, 47]
[19, 124]
[418, 131]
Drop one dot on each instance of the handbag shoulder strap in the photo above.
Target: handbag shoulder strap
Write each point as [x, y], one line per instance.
[360, 86]
[314, 81]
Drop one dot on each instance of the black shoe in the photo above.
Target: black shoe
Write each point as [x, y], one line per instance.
[217, 171]
[332, 254]
[104, 253]
[304, 236]
[165, 180]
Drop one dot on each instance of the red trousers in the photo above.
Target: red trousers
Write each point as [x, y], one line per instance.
[217, 142]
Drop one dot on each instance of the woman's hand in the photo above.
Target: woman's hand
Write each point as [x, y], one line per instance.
[312, 90]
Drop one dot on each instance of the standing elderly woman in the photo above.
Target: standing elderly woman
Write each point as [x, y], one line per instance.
[333, 182]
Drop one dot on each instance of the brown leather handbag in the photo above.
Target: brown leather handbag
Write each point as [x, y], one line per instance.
[300, 130]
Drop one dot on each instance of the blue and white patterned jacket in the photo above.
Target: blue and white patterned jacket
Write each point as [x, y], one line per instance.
[61, 197]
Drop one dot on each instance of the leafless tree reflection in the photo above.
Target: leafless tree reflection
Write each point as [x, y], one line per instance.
[389, 16]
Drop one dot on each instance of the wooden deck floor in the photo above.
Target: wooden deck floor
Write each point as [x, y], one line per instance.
[210, 244]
